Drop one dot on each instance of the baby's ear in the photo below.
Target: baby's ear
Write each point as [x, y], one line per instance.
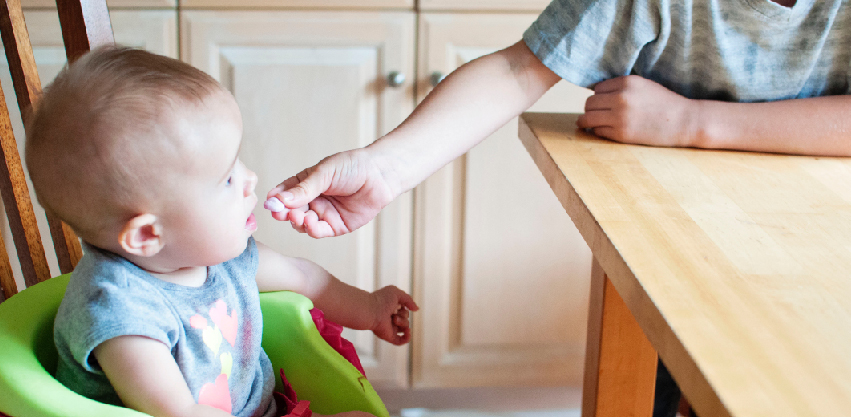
[142, 236]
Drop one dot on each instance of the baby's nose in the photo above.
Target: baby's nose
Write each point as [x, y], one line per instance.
[250, 183]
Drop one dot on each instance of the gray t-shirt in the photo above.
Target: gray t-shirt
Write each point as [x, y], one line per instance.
[731, 50]
[213, 331]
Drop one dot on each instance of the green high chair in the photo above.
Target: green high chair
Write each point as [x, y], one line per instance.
[28, 356]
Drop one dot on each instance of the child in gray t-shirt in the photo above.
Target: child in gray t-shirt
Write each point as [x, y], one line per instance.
[138, 153]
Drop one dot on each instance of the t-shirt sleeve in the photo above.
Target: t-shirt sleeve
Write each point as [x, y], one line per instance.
[105, 309]
[588, 41]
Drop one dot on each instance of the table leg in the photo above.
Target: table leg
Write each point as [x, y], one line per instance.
[620, 363]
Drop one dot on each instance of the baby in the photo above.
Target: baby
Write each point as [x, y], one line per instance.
[138, 153]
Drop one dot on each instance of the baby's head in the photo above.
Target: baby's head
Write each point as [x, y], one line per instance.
[138, 154]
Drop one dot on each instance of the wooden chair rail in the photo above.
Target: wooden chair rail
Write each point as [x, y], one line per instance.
[85, 24]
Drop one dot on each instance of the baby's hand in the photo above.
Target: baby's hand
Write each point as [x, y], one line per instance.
[390, 306]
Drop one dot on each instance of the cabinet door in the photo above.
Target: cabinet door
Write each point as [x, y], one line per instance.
[484, 5]
[310, 84]
[290, 4]
[500, 272]
[153, 30]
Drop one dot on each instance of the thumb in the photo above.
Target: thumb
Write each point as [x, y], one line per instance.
[301, 189]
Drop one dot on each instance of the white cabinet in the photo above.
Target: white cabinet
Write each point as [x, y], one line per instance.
[310, 84]
[154, 30]
[500, 272]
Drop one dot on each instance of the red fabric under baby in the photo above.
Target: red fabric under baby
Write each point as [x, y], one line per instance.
[287, 402]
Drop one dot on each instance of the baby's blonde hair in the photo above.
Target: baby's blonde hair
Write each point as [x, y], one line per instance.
[98, 126]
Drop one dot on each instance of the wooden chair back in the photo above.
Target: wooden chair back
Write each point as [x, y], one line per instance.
[85, 25]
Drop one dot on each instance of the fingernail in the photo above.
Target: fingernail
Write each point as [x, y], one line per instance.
[274, 205]
[287, 195]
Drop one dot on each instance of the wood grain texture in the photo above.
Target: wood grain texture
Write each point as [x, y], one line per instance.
[8, 286]
[620, 363]
[19, 210]
[734, 264]
[27, 86]
[85, 26]
[13, 186]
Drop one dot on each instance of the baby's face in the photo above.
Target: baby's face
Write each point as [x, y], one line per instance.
[211, 219]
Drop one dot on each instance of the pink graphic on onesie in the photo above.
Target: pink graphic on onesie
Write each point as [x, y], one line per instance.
[224, 327]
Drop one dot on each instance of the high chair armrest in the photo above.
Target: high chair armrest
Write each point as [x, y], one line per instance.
[315, 370]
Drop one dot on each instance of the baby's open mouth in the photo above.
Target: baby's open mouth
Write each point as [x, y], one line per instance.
[251, 223]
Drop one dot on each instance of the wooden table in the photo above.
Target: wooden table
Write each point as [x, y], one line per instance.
[736, 266]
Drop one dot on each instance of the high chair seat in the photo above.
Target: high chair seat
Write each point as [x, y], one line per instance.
[28, 359]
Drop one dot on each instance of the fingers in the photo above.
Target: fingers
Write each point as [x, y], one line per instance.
[398, 305]
[594, 119]
[302, 188]
[400, 319]
[401, 328]
[618, 84]
[610, 85]
[332, 221]
[600, 123]
[603, 102]
[279, 191]
[407, 301]
[318, 219]
[296, 217]
[608, 133]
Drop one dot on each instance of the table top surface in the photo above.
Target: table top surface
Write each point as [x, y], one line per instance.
[736, 265]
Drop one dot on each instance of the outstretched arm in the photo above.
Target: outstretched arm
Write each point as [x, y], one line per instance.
[385, 311]
[347, 190]
[633, 109]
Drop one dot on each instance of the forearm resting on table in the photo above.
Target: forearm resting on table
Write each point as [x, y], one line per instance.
[471, 103]
[810, 126]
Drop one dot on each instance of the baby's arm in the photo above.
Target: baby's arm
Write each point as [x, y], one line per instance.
[146, 378]
[633, 109]
[385, 311]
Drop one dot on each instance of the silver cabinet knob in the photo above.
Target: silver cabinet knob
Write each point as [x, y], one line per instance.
[395, 78]
[436, 77]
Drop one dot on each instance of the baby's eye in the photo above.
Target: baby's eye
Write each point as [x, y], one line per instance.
[230, 180]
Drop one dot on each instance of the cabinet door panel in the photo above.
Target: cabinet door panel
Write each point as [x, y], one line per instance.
[312, 4]
[485, 5]
[153, 30]
[500, 271]
[310, 84]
